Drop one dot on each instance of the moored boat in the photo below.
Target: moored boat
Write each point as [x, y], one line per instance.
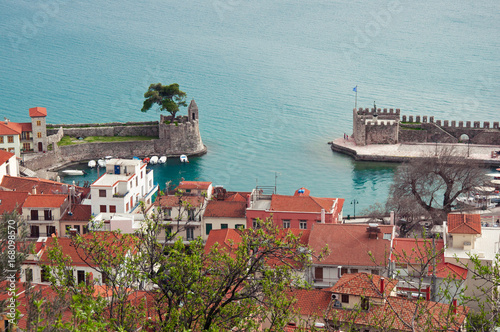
[146, 160]
[184, 159]
[101, 163]
[73, 172]
[153, 160]
[162, 160]
[92, 163]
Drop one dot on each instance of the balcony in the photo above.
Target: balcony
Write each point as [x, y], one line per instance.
[119, 195]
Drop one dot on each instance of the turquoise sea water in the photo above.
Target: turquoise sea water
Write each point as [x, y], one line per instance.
[273, 79]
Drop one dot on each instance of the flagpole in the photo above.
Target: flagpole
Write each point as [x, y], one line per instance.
[356, 98]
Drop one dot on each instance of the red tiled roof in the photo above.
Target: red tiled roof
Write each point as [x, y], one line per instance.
[236, 196]
[311, 302]
[306, 192]
[45, 201]
[79, 212]
[42, 186]
[399, 314]
[10, 129]
[10, 200]
[464, 223]
[5, 155]
[173, 201]
[194, 185]
[38, 111]
[448, 270]
[301, 203]
[350, 245]
[228, 239]
[416, 251]
[363, 284]
[26, 126]
[225, 209]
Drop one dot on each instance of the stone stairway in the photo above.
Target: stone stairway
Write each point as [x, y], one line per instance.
[27, 172]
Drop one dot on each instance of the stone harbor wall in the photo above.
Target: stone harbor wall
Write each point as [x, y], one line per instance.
[149, 129]
[372, 126]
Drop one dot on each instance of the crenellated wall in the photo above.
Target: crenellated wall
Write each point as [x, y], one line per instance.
[412, 129]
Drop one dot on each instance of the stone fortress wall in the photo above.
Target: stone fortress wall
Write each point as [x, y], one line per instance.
[385, 126]
[171, 138]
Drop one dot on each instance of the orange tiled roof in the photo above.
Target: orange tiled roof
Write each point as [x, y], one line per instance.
[225, 209]
[26, 126]
[363, 284]
[228, 239]
[79, 212]
[173, 201]
[301, 203]
[200, 185]
[5, 155]
[311, 302]
[42, 186]
[10, 129]
[464, 223]
[45, 201]
[362, 250]
[38, 111]
[448, 270]
[10, 200]
[415, 251]
[236, 196]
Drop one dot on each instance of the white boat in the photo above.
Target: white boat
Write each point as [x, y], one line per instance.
[162, 160]
[184, 159]
[92, 163]
[73, 172]
[101, 163]
[153, 160]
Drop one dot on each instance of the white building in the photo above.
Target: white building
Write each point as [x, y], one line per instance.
[8, 164]
[125, 184]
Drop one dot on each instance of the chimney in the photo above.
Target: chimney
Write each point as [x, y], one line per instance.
[33, 191]
[382, 286]
[323, 216]
[391, 218]
[6, 120]
[454, 306]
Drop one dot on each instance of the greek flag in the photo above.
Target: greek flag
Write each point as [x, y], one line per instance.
[355, 89]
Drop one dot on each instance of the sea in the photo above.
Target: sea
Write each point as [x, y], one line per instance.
[273, 80]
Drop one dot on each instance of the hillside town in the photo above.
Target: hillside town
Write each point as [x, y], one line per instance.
[361, 274]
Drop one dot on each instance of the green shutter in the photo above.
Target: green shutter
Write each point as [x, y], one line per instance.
[209, 228]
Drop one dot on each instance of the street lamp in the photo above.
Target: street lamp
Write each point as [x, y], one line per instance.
[354, 202]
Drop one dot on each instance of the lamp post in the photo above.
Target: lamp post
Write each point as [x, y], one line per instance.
[354, 202]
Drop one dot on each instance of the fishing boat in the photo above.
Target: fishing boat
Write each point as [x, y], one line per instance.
[184, 159]
[101, 163]
[153, 160]
[73, 172]
[162, 160]
[92, 163]
[146, 160]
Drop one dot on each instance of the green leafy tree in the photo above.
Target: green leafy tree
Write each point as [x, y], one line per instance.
[167, 97]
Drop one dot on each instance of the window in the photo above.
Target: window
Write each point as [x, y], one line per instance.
[365, 303]
[102, 208]
[1, 139]
[189, 233]
[47, 214]
[104, 278]
[208, 228]
[102, 192]
[12, 150]
[38, 123]
[39, 135]
[142, 174]
[112, 208]
[44, 275]
[68, 227]
[375, 272]
[34, 214]
[401, 265]
[35, 231]
[318, 274]
[255, 223]
[239, 226]
[303, 224]
[223, 226]
[26, 146]
[136, 181]
[188, 190]
[345, 298]
[51, 230]
[85, 229]
[286, 223]
[343, 271]
[354, 270]
[387, 236]
[80, 276]
[126, 208]
[77, 227]
[70, 279]
[10, 139]
[29, 274]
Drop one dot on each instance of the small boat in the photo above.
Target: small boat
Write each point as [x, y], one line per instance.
[145, 160]
[162, 160]
[73, 172]
[92, 163]
[153, 160]
[101, 163]
[136, 158]
[184, 159]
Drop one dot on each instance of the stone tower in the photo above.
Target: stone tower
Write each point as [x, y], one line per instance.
[38, 128]
[192, 111]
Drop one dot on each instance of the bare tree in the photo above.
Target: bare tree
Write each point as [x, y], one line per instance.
[433, 183]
